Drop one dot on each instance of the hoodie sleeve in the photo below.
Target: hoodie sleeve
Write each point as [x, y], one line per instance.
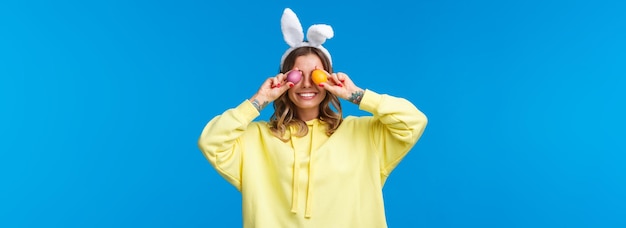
[220, 141]
[395, 128]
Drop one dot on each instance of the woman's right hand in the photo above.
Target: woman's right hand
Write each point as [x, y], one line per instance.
[271, 90]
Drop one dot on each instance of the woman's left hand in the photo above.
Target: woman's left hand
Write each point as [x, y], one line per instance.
[342, 86]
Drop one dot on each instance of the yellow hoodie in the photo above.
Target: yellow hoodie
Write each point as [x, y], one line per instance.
[315, 180]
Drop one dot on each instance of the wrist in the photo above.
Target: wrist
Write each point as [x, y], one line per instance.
[356, 96]
[259, 102]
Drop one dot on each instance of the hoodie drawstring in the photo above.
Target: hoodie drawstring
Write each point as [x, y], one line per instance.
[307, 210]
[296, 169]
[296, 174]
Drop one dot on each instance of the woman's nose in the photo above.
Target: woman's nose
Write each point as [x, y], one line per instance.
[306, 81]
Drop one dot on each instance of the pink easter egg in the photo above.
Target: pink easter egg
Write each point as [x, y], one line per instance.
[294, 76]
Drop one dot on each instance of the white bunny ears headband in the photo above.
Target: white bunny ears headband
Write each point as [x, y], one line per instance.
[292, 32]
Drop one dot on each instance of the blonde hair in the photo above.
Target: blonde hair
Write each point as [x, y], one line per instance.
[285, 110]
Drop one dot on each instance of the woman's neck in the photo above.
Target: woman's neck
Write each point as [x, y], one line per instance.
[306, 115]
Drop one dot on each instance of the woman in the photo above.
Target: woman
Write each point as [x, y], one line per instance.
[308, 166]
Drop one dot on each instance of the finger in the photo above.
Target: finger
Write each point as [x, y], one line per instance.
[284, 87]
[269, 82]
[342, 77]
[281, 77]
[275, 81]
[330, 88]
[333, 77]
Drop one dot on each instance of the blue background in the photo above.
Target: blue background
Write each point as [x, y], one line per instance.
[102, 103]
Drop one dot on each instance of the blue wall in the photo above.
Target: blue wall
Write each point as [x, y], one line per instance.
[101, 104]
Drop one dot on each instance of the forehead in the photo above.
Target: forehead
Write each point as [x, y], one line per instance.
[309, 60]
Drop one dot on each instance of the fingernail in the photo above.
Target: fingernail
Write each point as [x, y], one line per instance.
[342, 80]
[340, 85]
[278, 85]
[290, 85]
[321, 85]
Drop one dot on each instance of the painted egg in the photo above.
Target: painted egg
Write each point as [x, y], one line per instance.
[294, 76]
[319, 76]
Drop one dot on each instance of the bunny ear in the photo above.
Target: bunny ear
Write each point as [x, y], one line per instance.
[291, 27]
[318, 34]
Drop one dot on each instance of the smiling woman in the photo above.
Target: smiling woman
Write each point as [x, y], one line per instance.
[306, 100]
[308, 166]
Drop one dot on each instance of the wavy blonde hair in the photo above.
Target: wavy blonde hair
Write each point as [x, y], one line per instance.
[285, 110]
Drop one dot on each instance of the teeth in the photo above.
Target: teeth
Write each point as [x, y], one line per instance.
[307, 94]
